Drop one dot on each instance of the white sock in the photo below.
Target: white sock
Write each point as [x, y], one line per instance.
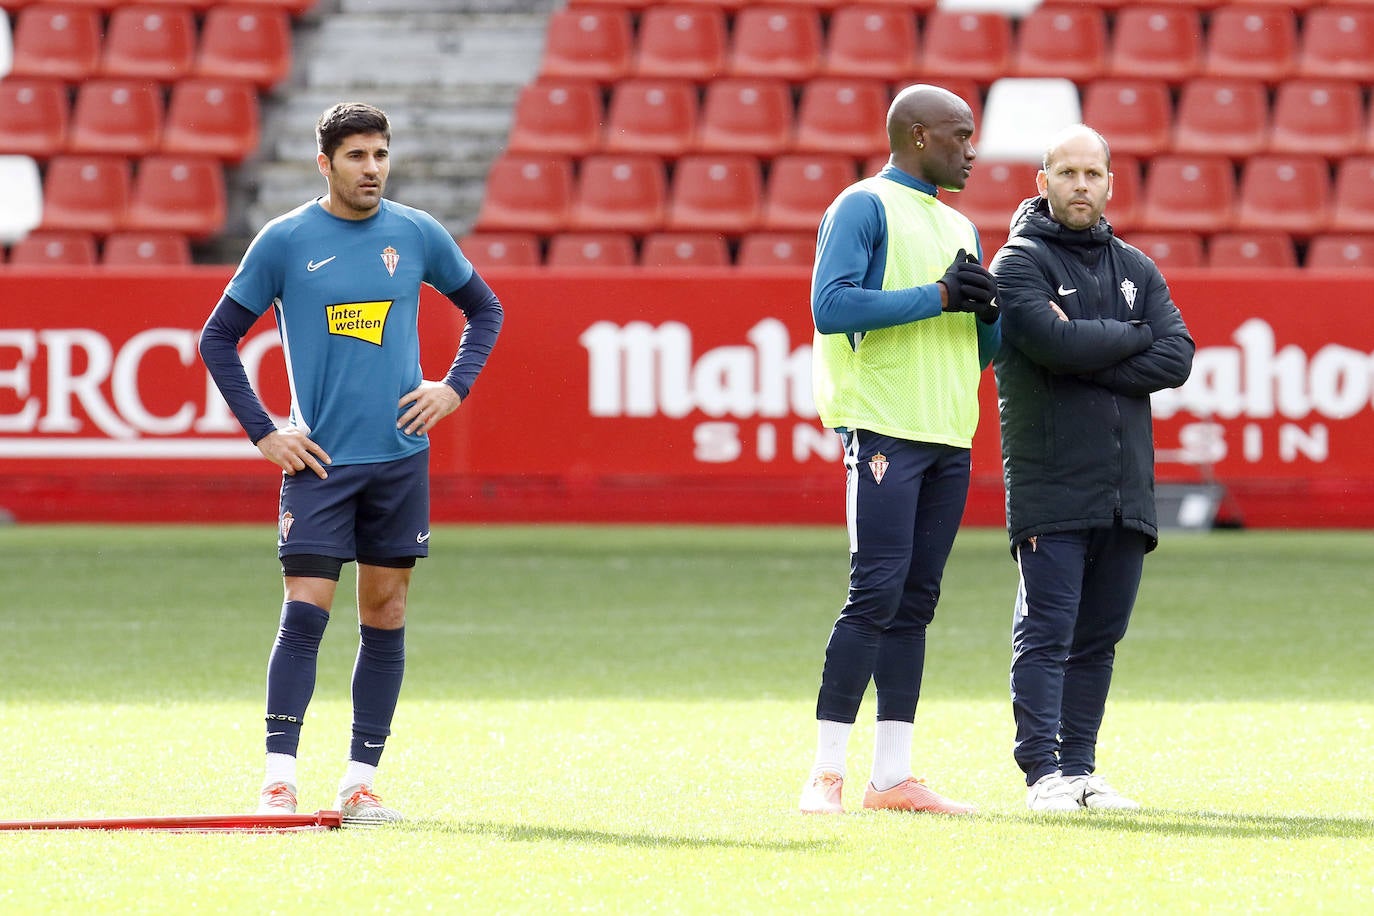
[831, 742]
[280, 768]
[358, 774]
[891, 753]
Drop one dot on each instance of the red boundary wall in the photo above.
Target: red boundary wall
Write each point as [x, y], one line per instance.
[639, 396]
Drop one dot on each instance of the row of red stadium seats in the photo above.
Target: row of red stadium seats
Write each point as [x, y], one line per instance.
[293, 7]
[130, 118]
[633, 193]
[1293, 194]
[1256, 250]
[670, 117]
[106, 194]
[1229, 250]
[1270, 41]
[729, 193]
[53, 248]
[657, 249]
[1011, 7]
[154, 42]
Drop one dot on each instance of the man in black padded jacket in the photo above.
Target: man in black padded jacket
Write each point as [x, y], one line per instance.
[1089, 331]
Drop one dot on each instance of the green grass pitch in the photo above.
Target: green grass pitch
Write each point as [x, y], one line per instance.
[619, 719]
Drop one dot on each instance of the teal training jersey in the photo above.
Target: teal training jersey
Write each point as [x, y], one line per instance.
[346, 296]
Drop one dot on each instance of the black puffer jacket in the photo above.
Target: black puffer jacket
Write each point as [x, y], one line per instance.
[1074, 396]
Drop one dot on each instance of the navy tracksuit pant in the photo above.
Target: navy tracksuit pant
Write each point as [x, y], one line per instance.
[905, 502]
[1072, 607]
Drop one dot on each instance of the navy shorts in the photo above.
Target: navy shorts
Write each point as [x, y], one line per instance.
[373, 510]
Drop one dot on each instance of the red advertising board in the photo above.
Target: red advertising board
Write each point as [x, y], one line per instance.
[634, 396]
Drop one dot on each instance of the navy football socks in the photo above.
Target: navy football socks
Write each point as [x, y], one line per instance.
[377, 677]
[291, 673]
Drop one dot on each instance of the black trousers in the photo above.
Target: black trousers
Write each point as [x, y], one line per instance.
[905, 502]
[1072, 607]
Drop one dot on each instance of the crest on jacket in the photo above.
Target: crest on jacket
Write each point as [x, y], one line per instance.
[1128, 290]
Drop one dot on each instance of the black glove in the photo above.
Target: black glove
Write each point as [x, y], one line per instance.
[970, 287]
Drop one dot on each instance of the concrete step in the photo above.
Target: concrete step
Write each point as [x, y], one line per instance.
[447, 73]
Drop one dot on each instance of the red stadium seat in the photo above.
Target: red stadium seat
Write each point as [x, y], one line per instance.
[994, 191]
[592, 249]
[1156, 42]
[501, 249]
[149, 42]
[1322, 117]
[251, 43]
[745, 115]
[1188, 194]
[777, 249]
[966, 44]
[1170, 249]
[684, 249]
[557, 116]
[619, 192]
[1338, 43]
[146, 249]
[1123, 209]
[871, 42]
[1223, 117]
[843, 116]
[682, 42]
[1251, 42]
[776, 41]
[1286, 193]
[86, 193]
[52, 248]
[178, 194]
[801, 186]
[52, 40]
[715, 193]
[1353, 210]
[212, 118]
[1062, 40]
[1340, 252]
[1248, 250]
[651, 115]
[122, 117]
[527, 193]
[1135, 115]
[991, 242]
[593, 43]
[35, 114]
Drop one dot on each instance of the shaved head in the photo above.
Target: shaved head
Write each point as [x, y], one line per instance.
[920, 104]
[1075, 135]
[930, 132]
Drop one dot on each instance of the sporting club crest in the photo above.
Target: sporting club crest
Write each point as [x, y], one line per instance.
[390, 258]
[287, 520]
[878, 465]
[1128, 290]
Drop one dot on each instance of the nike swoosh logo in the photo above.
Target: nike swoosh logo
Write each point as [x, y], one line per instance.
[274, 734]
[316, 265]
[421, 538]
[1065, 292]
[370, 744]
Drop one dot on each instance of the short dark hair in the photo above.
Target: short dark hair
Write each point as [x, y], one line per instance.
[345, 120]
